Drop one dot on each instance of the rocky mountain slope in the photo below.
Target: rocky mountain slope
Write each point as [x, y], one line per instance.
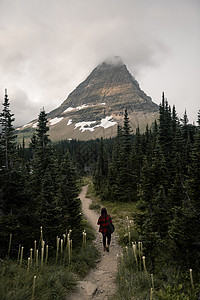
[96, 106]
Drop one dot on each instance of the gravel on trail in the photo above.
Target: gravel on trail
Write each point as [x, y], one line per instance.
[100, 282]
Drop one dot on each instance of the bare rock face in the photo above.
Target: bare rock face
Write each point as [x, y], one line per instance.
[96, 106]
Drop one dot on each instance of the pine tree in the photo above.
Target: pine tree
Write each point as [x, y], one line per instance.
[126, 134]
[194, 173]
[183, 241]
[137, 154]
[53, 185]
[43, 156]
[126, 180]
[111, 191]
[101, 169]
[68, 197]
[7, 136]
[8, 158]
[198, 119]
[165, 129]
[43, 185]
[15, 209]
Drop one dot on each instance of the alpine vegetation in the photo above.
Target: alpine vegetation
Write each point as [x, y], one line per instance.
[39, 191]
[158, 171]
[39, 278]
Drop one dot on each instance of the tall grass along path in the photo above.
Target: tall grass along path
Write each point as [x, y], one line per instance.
[100, 282]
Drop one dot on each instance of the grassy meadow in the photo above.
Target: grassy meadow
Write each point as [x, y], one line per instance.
[135, 279]
[45, 275]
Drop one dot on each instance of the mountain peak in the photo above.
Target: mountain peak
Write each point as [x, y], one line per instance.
[96, 106]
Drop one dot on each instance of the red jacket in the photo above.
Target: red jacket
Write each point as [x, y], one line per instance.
[103, 221]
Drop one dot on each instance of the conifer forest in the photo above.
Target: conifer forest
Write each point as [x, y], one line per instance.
[158, 170]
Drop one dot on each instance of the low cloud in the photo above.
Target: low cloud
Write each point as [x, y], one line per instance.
[48, 47]
[22, 107]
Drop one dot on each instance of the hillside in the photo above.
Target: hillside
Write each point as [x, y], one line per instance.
[96, 106]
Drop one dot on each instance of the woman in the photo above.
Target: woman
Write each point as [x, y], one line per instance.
[104, 221]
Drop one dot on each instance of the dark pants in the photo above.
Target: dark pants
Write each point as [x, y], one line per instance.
[108, 236]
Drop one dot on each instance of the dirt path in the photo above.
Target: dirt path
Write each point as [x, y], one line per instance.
[100, 282]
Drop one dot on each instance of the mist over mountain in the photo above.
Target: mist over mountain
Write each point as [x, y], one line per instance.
[96, 106]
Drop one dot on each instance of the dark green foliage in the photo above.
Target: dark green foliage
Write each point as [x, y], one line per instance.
[54, 190]
[101, 170]
[111, 191]
[7, 156]
[52, 282]
[7, 141]
[67, 195]
[122, 179]
[44, 184]
[14, 197]
[84, 154]
[194, 173]
[165, 195]
[125, 177]
[39, 189]
[85, 260]
[160, 169]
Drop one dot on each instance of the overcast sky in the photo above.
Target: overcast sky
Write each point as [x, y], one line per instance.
[48, 47]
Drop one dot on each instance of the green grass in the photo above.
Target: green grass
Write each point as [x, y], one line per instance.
[84, 181]
[132, 281]
[52, 282]
[85, 259]
[54, 279]
[121, 212]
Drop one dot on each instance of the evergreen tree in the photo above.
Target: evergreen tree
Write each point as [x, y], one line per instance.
[14, 196]
[198, 119]
[126, 137]
[111, 191]
[43, 157]
[68, 197]
[194, 173]
[126, 183]
[7, 136]
[54, 190]
[101, 169]
[165, 129]
[183, 241]
[137, 155]
[43, 186]
[121, 180]
[11, 175]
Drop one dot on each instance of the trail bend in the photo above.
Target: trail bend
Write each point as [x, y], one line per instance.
[100, 282]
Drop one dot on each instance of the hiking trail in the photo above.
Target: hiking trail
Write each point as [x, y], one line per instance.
[100, 282]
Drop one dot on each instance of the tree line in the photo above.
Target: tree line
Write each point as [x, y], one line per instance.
[38, 188]
[159, 170]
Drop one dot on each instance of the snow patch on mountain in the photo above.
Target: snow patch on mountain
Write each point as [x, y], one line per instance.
[69, 122]
[27, 125]
[85, 126]
[35, 125]
[80, 107]
[105, 123]
[75, 108]
[55, 120]
[68, 109]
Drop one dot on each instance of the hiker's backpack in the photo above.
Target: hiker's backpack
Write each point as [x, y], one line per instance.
[111, 228]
